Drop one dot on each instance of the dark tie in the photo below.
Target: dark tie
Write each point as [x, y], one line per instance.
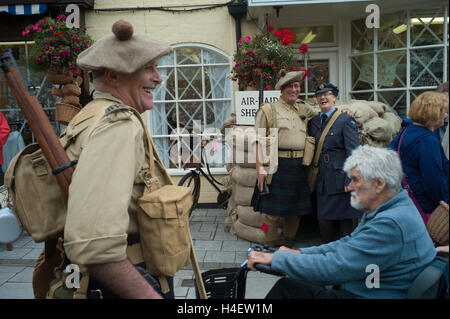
[323, 121]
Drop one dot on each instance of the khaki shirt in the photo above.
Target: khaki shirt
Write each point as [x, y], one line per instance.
[105, 188]
[292, 129]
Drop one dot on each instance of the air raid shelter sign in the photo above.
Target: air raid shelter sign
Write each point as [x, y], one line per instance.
[247, 104]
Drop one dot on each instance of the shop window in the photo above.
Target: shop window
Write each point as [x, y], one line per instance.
[36, 82]
[408, 56]
[195, 97]
[322, 34]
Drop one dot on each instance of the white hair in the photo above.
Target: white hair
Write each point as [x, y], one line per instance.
[374, 162]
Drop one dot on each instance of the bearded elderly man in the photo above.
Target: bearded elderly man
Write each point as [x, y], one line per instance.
[391, 238]
[101, 224]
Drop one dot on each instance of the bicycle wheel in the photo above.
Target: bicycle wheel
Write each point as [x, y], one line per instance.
[192, 180]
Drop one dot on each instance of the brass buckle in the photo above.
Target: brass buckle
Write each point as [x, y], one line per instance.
[326, 158]
[147, 178]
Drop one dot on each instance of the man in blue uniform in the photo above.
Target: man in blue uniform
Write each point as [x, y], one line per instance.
[334, 213]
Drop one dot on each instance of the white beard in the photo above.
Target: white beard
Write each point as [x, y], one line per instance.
[355, 202]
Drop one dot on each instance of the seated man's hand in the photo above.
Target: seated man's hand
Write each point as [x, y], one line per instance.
[257, 257]
[283, 248]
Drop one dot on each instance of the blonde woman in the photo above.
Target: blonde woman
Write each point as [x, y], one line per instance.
[423, 159]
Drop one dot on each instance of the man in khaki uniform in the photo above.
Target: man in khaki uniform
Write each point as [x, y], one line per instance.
[105, 186]
[289, 196]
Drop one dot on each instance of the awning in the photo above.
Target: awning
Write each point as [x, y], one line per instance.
[24, 9]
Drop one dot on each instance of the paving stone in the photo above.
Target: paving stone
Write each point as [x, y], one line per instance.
[208, 227]
[219, 256]
[235, 245]
[207, 245]
[16, 290]
[25, 275]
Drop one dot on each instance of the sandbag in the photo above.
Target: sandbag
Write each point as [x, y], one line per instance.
[360, 110]
[252, 234]
[249, 217]
[241, 195]
[245, 159]
[244, 176]
[394, 121]
[229, 122]
[378, 107]
[378, 129]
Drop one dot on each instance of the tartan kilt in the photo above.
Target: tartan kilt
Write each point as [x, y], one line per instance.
[289, 191]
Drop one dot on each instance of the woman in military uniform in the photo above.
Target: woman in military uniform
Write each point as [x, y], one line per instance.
[334, 213]
[289, 196]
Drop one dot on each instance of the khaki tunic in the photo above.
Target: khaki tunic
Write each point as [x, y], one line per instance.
[105, 187]
[292, 129]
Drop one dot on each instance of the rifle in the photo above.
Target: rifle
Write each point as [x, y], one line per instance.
[39, 123]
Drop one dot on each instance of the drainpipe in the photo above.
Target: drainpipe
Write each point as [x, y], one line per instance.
[237, 11]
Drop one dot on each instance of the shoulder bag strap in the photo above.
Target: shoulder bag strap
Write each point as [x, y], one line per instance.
[404, 181]
[152, 155]
[322, 137]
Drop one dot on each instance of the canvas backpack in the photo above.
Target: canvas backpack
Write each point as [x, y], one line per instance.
[38, 201]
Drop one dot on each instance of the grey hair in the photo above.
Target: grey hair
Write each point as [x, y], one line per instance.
[374, 162]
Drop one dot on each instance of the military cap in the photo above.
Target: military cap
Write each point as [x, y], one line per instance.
[325, 87]
[289, 77]
[122, 51]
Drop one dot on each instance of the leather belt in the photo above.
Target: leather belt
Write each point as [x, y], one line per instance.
[290, 154]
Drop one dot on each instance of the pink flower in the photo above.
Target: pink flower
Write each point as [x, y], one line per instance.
[24, 33]
[248, 39]
[240, 41]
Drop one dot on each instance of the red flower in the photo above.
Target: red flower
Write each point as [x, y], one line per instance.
[303, 48]
[277, 34]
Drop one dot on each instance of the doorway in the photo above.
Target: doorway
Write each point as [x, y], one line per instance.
[322, 67]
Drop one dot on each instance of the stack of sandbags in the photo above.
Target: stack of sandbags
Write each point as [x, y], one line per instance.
[377, 125]
[242, 220]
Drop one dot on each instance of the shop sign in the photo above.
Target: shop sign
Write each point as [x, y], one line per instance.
[247, 104]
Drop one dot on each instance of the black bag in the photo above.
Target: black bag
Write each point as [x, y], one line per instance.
[257, 195]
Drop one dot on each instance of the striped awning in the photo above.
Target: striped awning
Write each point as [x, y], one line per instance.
[24, 9]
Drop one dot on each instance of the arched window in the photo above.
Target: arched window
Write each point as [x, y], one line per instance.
[195, 96]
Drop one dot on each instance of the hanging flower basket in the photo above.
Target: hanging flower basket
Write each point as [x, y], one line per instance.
[65, 112]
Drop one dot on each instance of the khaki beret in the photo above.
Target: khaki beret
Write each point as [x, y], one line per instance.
[287, 78]
[122, 51]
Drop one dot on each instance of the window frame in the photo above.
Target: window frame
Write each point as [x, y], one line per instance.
[409, 49]
[202, 100]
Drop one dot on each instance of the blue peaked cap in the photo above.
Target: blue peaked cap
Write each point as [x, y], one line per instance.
[325, 87]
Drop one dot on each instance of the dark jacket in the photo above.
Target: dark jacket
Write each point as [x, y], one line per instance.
[332, 201]
[425, 166]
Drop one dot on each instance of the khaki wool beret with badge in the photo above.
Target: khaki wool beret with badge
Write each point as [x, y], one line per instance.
[289, 77]
[123, 51]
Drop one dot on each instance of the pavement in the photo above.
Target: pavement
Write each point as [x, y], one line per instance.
[215, 248]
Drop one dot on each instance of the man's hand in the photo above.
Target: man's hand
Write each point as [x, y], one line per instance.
[295, 251]
[262, 175]
[257, 257]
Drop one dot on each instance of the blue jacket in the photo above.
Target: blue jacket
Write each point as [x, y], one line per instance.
[333, 203]
[425, 166]
[393, 237]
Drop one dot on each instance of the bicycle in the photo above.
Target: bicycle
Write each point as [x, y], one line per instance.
[192, 180]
